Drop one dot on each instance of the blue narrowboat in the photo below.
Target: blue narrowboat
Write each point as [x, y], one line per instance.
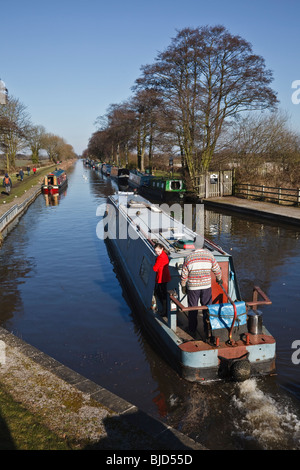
[137, 179]
[231, 341]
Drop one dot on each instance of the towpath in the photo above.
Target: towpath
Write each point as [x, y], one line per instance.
[267, 210]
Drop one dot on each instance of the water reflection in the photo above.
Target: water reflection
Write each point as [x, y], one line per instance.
[16, 267]
[53, 199]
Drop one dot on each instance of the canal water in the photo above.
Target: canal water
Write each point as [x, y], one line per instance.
[61, 293]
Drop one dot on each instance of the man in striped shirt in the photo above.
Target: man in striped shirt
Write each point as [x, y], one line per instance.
[196, 279]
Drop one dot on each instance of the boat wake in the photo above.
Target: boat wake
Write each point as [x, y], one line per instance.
[264, 422]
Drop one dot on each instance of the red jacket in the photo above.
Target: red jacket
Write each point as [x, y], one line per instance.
[161, 267]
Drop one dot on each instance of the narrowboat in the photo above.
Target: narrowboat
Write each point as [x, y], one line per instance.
[164, 189]
[54, 182]
[105, 169]
[120, 175]
[231, 341]
[137, 179]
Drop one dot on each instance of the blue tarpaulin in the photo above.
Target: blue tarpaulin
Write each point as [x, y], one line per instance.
[221, 315]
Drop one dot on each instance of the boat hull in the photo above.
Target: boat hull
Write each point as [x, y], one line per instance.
[193, 361]
[161, 195]
[121, 176]
[55, 182]
[164, 189]
[54, 189]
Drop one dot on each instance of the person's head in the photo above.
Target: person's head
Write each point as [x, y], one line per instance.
[6, 175]
[158, 248]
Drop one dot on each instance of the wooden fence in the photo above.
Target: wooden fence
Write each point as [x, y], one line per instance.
[268, 193]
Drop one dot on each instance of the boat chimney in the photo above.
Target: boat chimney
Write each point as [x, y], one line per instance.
[254, 322]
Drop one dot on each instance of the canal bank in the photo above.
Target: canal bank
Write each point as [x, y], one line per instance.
[76, 408]
[13, 206]
[267, 210]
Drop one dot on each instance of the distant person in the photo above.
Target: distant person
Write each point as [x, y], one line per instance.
[21, 174]
[161, 267]
[34, 170]
[196, 279]
[28, 170]
[7, 183]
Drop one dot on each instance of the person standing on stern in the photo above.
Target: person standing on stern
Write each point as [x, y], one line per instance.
[161, 267]
[196, 279]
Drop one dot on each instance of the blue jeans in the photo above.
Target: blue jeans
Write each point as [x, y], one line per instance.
[193, 296]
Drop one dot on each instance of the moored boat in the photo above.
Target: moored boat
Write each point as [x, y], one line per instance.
[120, 175]
[137, 179]
[231, 340]
[54, 182]
[105, 169]
[164, 188]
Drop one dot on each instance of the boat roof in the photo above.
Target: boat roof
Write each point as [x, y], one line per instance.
[157, 225]
[166, 178]
[57, 172]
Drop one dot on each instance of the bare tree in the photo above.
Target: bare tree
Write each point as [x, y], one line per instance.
[115, 135]
[13, 132]
[206, 77]
[56, 147]
[98, 145]
[258, 139]
[35, 140]
[145, 104]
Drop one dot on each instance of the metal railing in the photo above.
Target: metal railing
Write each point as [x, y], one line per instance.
[252, 303]
[268, 193]
[16, 210]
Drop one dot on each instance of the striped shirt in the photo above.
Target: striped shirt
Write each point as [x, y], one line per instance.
[196, 270]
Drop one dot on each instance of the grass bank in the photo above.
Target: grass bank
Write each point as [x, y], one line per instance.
[20, 187]
[22, 430]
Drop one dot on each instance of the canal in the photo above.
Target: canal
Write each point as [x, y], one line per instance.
[61, 293]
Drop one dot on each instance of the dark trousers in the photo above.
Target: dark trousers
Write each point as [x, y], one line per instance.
[161, 293]
[193, 296]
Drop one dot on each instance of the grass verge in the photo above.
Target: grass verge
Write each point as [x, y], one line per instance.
[22, 430]
[19, 187]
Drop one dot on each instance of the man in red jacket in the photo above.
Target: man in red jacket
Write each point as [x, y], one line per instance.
[161, 267]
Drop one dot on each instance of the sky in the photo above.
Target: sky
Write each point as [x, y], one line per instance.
[67, 61]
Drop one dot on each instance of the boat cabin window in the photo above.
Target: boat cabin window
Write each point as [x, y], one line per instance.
[175, 185]
[145, 270]
[50, 179]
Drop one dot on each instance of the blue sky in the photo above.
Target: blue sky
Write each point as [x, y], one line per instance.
[68, 60]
